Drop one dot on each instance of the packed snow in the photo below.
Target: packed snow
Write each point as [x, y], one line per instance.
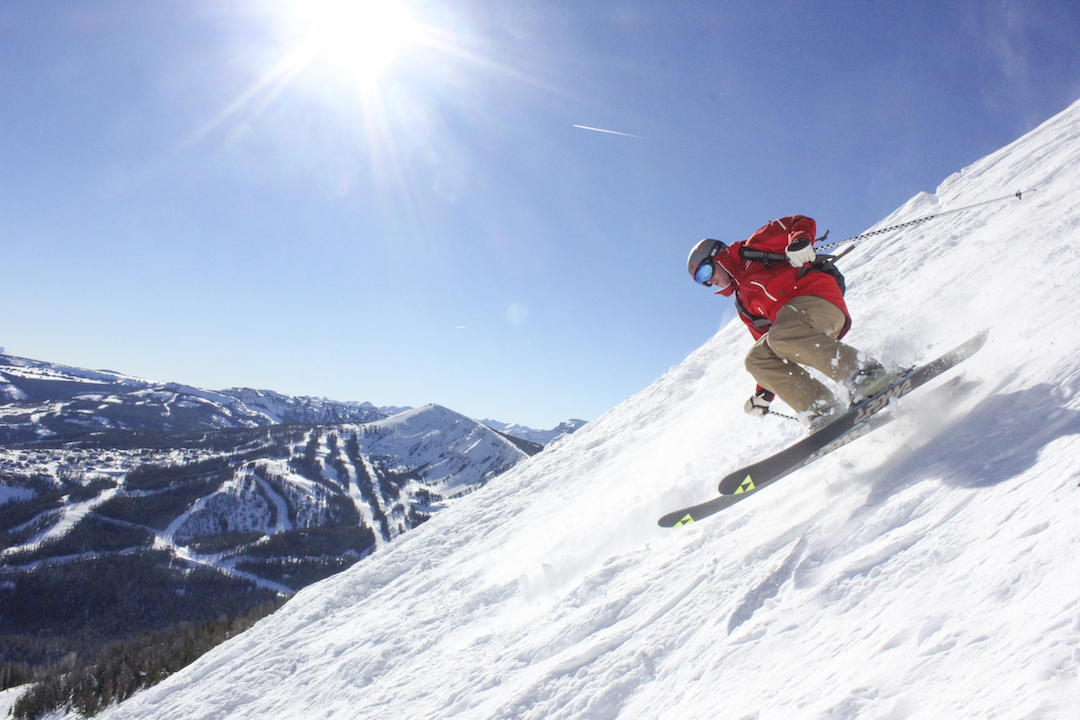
[929, 570]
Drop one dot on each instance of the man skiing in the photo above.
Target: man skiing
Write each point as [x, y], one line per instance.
[793, 304]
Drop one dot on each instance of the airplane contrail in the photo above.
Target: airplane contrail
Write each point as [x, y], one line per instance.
[611, 132]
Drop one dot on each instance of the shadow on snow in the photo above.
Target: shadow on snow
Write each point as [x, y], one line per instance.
[998, 440]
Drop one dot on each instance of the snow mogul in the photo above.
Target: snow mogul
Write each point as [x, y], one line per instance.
[792, 301]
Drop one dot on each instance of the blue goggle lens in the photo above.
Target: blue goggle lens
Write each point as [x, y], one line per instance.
[704, 272]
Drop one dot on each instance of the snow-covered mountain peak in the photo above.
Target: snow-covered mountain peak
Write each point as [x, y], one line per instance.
[454, 450]
[429, 411]
[928, 570]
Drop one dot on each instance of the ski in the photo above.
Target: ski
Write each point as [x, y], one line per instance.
[953, 389]
[715, 505]
[858, 421]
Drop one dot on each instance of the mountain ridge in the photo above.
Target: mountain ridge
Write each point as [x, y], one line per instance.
[84, 401]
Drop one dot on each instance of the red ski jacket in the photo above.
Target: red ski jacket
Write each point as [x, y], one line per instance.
[762, 287]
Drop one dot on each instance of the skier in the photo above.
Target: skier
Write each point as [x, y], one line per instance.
[793, 304]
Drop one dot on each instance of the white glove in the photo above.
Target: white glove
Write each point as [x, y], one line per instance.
[800, 252]
[758, 404]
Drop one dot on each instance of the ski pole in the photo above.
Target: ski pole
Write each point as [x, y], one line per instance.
[827, 260]
[1019, 195]
[783, 416]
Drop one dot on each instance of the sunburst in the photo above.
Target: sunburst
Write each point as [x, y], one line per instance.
[360, 37]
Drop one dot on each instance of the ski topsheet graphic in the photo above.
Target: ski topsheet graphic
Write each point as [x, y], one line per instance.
[856, 422]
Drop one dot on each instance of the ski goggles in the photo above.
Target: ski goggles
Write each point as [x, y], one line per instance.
[704, 272]
[707, 271]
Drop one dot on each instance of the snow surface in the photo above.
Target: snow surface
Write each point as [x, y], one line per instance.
[930, 570]
[9, 696]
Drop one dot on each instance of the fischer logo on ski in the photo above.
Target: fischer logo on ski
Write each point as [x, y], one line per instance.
[747, 485]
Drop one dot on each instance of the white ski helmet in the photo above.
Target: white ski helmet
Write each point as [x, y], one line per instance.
[704, 251]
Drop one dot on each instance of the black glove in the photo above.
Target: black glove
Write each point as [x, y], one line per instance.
[758, 404]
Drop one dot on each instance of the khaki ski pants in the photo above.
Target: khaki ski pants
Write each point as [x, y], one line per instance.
[804, 333]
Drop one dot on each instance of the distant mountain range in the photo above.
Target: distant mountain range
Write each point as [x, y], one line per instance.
[540, 437]
[127, 505]
[47, 401]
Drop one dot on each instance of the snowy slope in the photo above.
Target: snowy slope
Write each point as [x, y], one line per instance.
[930, 570]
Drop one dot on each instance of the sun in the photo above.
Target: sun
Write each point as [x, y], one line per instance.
[338, 51]
[361, 37]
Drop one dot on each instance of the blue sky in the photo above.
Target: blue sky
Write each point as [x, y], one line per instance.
[229, 193]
